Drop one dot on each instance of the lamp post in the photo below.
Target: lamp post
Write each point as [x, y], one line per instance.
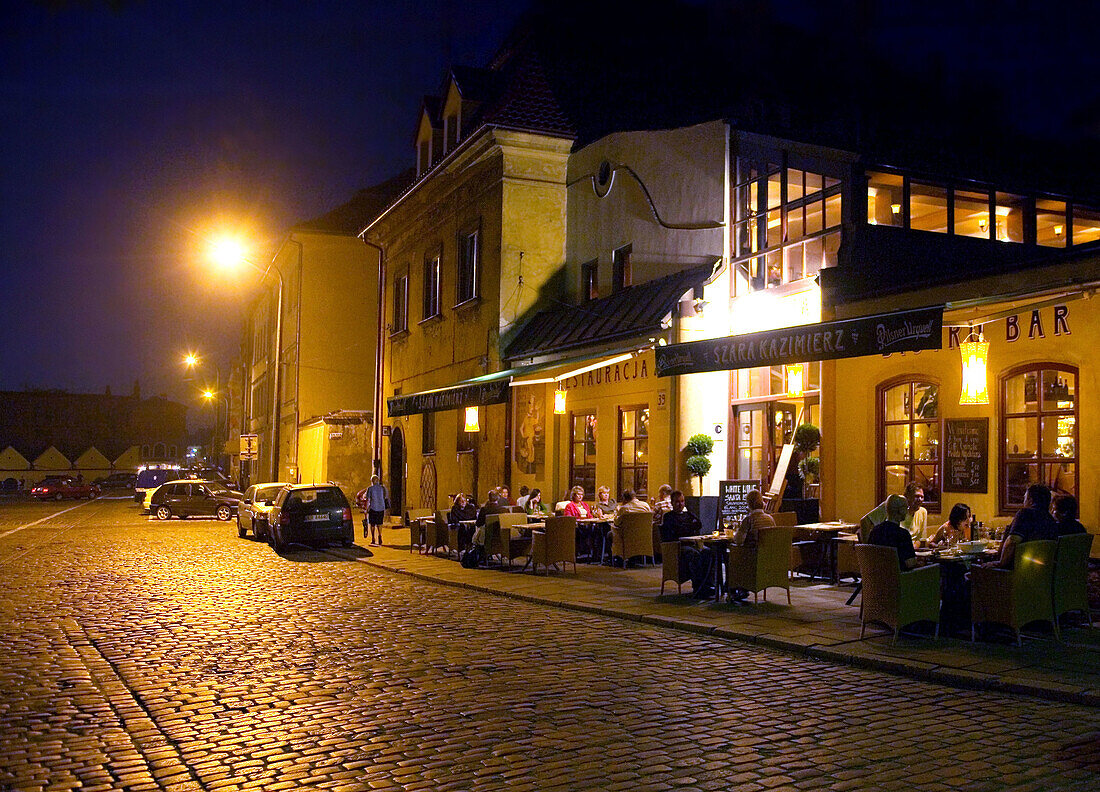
[191, 361]
[228, 252]
[209, 396]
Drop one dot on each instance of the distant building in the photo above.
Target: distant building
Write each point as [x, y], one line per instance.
[47, 432]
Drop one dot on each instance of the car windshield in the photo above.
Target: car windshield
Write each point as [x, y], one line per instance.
[267, 493]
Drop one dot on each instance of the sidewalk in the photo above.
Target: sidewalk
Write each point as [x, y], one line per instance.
[817, 624]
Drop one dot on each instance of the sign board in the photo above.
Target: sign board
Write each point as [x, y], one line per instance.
[882, 334]
[453, 398]
[965, 455]
[779, 480]
[731, 502]
[250, 446]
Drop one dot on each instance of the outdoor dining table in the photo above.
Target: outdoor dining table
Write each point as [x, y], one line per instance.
[824, 534]
[595, 530]
[954, 563]
[720, 544]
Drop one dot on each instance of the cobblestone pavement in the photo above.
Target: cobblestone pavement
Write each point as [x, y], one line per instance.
[149, 655]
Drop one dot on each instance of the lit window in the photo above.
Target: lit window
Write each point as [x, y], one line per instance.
[928, 207]
[1050, 223]
[1039, 427]
[884, 199]
[972, 214]
[1011, 210]
[469, 268]
[909, 450]
[634, 450]
[1086, 225]
[582, 460]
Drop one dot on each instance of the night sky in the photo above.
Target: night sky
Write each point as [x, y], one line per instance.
[131, 131]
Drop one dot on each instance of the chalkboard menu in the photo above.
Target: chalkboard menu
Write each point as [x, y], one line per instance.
[731, 502]
[965, 458]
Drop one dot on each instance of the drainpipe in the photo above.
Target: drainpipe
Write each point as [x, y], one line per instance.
[379, 357]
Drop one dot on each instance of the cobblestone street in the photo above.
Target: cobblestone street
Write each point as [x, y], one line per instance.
[173, 655]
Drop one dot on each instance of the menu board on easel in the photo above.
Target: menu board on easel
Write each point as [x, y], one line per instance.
[965, 457]
[779, 480]
[732, 507]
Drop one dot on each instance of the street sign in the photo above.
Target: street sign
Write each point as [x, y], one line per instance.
[250, 446]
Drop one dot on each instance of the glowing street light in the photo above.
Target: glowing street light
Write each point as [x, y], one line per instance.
[228, 252]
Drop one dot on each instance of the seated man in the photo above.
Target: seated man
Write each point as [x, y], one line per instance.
[1065, 514]
[915, 519]
[748, 532]
[679, 523]
[1031, 523]
[890, 533]
[492, 505]
[663, 504]
[630, 503]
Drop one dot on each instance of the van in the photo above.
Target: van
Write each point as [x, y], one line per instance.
[150, 477]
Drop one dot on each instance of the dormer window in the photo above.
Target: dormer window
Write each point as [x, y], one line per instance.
[451, 131]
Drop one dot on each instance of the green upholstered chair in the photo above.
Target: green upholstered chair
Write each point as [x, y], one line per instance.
[555, 544]
[1019, 596]
[762, 567]
[1071, 571]
[892, 597]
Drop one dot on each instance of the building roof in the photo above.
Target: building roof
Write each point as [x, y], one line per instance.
[635, 311]
[364, 206]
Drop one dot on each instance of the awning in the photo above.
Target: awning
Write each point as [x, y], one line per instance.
[882, 334]
[456, 397]
[633, 312]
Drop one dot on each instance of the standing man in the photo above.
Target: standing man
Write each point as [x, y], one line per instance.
[376, 501]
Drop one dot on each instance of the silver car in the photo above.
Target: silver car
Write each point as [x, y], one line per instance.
[254, 512]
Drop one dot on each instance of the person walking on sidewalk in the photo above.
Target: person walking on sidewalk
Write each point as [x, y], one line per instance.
[376, 501]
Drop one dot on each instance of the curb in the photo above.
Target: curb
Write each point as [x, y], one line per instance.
[924, 672]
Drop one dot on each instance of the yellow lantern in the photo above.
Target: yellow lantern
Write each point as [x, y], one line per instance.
[975, 389]
[471, 420]
[795, 386]
[559, 402]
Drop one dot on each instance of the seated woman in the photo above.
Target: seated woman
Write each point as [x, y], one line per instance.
[605, 507]
[462, 509]
[535, 504]
[576, 506]
[956, 529]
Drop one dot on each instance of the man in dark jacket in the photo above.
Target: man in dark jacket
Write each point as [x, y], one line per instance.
[1031, 524]
[889, 533]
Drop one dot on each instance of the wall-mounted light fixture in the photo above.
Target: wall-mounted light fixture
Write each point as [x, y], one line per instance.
[471, 420]
[975, 355]
[796, 385]
[895, 208]
[559, 402]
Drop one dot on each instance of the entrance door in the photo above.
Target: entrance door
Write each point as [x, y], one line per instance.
[760, 433]
[397, 473]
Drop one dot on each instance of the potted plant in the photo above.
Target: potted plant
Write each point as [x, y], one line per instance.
[699, 448]
[807, 439]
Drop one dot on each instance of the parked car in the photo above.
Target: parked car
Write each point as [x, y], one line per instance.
[60, 487]
[151, 477]
[254, 513]
[187, 498]
[311, 514]
[117, 481]
[208, 474]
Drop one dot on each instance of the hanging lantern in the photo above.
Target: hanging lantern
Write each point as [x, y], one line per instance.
[795, 385]
[975, 354]
[471, 420]
[559, 402]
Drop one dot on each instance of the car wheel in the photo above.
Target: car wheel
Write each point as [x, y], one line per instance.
[260, 535]
[58, 496]
[277, 541]
[241, 532]
[224, 513]
[163, 512]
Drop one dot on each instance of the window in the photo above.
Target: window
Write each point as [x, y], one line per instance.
[431, 286]
[1086, 225]
[885, 198]
[928, 208]
[972, 214]
[1050, 222]
[427, 436]
[1039, 427]
[469, 268]
[590, 280]
[909, 439]
[634, 450]
[582, 460]
[1010, 213]
[621, 276]
[400, 305]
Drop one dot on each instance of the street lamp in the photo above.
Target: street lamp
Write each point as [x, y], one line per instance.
[209, 396]
[228, 252]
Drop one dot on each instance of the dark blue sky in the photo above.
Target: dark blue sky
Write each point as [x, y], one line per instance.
[126, 134]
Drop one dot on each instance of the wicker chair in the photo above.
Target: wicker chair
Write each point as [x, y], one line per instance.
[556, 544]
[633, 536]
[670, 566]
[894, 598]
[417, 534]
[503, 539]
[436, 534]
[1019, 596]
[759, 568]
[1071, 571]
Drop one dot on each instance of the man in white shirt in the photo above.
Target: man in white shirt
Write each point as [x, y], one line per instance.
[916, 516]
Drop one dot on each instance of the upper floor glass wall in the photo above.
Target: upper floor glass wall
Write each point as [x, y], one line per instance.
[787, 225]
[983, 212]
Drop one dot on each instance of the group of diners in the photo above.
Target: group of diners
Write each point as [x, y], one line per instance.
[598, 522]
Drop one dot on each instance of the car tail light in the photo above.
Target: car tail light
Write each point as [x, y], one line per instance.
[347, 514]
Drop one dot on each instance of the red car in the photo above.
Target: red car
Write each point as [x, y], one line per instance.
[64, 487]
